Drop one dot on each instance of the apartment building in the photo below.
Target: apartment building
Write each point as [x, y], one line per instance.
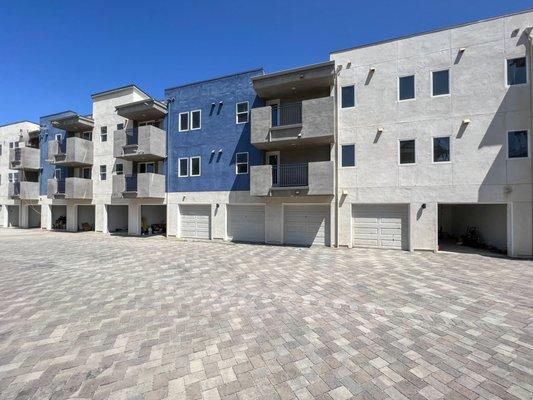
[434, 136]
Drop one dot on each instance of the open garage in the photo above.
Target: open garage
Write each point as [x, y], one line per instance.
[34, 216]
[117, 219]
[246, 223]
[473, 226]
[86, 217]
[12, 216]
[153, 219]
[59, 217]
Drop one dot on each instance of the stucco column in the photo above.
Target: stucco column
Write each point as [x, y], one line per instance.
[134, 219]
[520, 229]
[46, 216]
[423, 228]
[172, 219]
[274, 223]
[100, 218]
[4, 217]
[23, 215]
[345, 221]
[218, 227]
[72, 217]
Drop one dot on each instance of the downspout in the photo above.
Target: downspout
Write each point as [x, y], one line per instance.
[529, 34]
[336, 155]
[167, 166]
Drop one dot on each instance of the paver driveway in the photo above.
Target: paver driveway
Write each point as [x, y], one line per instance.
[92, 316]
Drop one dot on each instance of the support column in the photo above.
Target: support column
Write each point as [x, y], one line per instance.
[24, 216]
[72, 217]
[46, 216]
[134, 219]
[5, 217]
[423, 226]
[100, 218]
[520, 229]
[218, 226]
[345, 222]
[172, 219]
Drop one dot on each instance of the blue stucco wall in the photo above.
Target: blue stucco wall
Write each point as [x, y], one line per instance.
[48, 133]
[219, 131]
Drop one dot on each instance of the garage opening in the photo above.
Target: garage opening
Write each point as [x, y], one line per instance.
[246, 223]
[306, 225]
[153, 220]
[13, 216]
[195, 221]
[59, 217]
[34, 216]
[86, 218]
[381, 226]
[466, 227]
[117, 219]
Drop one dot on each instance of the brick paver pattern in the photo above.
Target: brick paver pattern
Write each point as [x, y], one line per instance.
[93, 316]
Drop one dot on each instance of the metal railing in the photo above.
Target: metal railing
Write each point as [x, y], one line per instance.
[62, 146]
[131, 183]
[132, 137]
[286, 114]
[16, 189]
[288, 175]
[60, 187]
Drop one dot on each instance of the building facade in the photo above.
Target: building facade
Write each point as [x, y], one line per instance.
[414, 143]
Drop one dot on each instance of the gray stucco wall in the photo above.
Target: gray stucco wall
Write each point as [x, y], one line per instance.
[260, 180]
[78, 188]
[321, 178]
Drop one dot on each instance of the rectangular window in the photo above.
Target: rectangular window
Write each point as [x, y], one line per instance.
[119, 169]
[196, 120]
[103, 172]
[13, 145]
[517, 144]
[86, 173]
[120, 127]
[57, 174]
[13, 177]
[241, 162]
[195, 166]
[242, 112]
[441, 82]
[146, 167]
[58, 137]
[441, 149]
[184, 121]
[348, 96]
[183, 167]
[103, 133]
[516, 71]
[348, 155]
[407, 152]
[407, 87]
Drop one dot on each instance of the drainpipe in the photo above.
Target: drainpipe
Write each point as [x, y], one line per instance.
[167, 133]
[529, 56]
[336, 155]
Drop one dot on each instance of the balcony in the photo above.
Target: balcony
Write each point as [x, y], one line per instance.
[145, 143]
[23, 190]
[72, 152]
[145, 185]
[25, 158]
[70, 188]
[311, 179]
[307, 122]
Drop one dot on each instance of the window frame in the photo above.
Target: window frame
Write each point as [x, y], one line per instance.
[237, 113]
[199, 166]
[528, 138]
[191, 128]
[57, 137]
[449, 82]
[342, 96]
[122, 169]
[507, 67]
[104, 173]
[241, 163]
[180, 175]
[146, 164]
[120, 126]
[103, 134]
[414, 87]
[57, 172]
[399, 152]
[433, 149]
[188, 121]
[354, 156]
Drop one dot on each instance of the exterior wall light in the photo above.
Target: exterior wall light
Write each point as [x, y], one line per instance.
[466, 121]
[462, 49]
[380, 130]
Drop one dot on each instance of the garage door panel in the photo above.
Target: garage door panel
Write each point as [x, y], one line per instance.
[246, 223]
[380, 226]
[306, 225]
[195, 221]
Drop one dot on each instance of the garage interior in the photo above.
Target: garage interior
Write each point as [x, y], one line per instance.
[34, 216]
[12, 216]
[153, 220]
[86, 217]
[59, 217]
[117, 219]
[467, 227]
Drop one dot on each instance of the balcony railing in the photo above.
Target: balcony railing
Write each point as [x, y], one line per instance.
[290, 175]
[60, 187]
[286, 114]
[16, 189]
[131, 183]
[132, 137]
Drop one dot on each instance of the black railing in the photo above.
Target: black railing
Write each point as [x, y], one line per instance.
[286, 114]
[288, 175]
[132, 137]
[60, 187]
[17, 154]
[62, 146]
[16, 189]
[131, 183]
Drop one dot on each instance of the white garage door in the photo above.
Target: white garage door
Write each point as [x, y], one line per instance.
[306, 225]
[246, 223]
[195, 221]
[380, 226]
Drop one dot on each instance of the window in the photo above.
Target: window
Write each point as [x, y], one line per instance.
[103, 172]
[348, 155]
[58, 137]
[517, 144]
[242, 112]
[441, 82]
[0, 149]
[195, 166]
[86, 173]
[241, 162]
[146, 167]
[184, 121]
[120, 127]
[13, 145]
[407, 87]
[441, 149]
[348, 96]
[516, 71]
[183, 167]
[196, 120]
[407, 152]
[57, 174]
[119, 169]
[103, 133]
[13, 177]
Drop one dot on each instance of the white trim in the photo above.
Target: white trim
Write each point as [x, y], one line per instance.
[191, 120]
[199, 166]
[506, 67]
[431, 72]
[247, 163]
[416, 158]
[237, 113]
[180, 175]
[57, 137]
[100, 172]
[507, 145]
[433, 149]
[354, 100]
[354, 157]
[188, 121]
[414, 84]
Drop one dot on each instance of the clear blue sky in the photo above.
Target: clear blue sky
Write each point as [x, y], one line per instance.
[54, 54]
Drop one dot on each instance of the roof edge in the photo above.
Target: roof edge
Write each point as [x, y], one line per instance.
[18, 122]
[118, 89]
[293, 70]
[259, 69]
